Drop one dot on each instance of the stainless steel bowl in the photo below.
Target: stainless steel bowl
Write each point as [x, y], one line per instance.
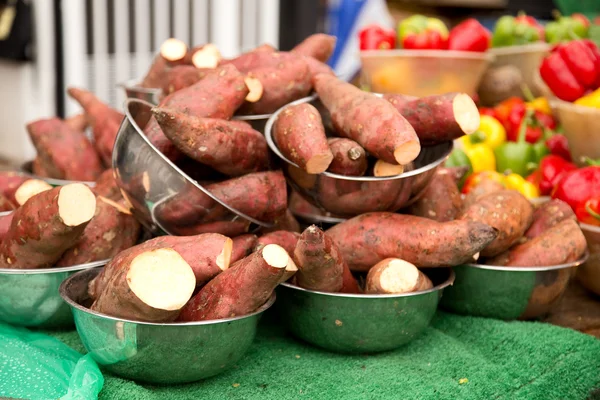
[508, 292]
[374, 193]
[27, 169]
[360, 323]
[149, 180]
[29, 297]
[158, 353]
[589, 273]
[133, 91]
[258, 122]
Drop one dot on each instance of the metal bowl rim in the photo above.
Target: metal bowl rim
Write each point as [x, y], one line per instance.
[251, 117]
[443, 285]
[414, 172]
[520, 49]
[587, 227]
[5, 213]
[471, 55]
[62, 290]
[53, 181]
[177, 170]
[40, 271]
[318, 218]
[531, 269]
[132, 84]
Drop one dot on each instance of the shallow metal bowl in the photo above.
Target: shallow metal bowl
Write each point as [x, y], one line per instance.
[27, 169]
[158, 353]
[589, 273]
[508, 292]
[133, 91]
[150, 181]
[360, 323]
[30, 297]
[348, 196]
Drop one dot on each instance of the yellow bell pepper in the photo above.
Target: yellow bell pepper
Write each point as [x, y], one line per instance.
[540, 104]
[518, 183]
[490, 133]
[591, 100]
[481, 156]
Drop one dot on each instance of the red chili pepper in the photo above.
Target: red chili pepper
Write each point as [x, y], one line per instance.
[529, 20]
[581, 62]
[580, 189]
[469, 35]
[559, 78]
[487, 111]
[559, 145]
[552, 169]
[374, 37]
[596, 52]
[533, 133]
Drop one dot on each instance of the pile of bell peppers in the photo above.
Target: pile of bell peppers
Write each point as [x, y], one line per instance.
[513, 31]
[564, 29]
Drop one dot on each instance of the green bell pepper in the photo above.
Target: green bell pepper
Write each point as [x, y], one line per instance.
[509, 32]
[458, 158]
[518, 157]
[565, 29]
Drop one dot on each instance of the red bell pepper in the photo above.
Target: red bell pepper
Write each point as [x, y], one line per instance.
[420, 32]
[534, 131]
[374, 37]
[525, 19]
[581, 190]
[504, 108]
[535, 177]
[552, 169]
[469, 35]
[559, 78]
[596, 52]
[581, 62]
[487, 111]
[559, 146]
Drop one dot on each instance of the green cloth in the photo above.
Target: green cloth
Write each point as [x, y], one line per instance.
[456, 358]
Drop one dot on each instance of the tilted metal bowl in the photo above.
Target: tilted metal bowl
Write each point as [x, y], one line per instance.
[588, 274]
[134, 91]
[375, 193]
[360, 323]
[169, 353]
[30, 297]
[26, 168]
[149, 180]
[508, 292]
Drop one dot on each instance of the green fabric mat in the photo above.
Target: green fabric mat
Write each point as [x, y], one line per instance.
[457, 358]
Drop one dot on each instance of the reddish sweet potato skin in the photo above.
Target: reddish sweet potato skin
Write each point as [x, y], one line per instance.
[259, 57]
[548, 215]
[77, 122]
[6, 205]
[560, 244]
[230, 147]
[316, 67]
[106, 186]
[37, 167]
[483, 188]
[285, 239]
[108, 233]
[508, 211]
[218, 95]
[369, 238]
[349, 282]
[158, 71]
[319, 46]
[5, 222]
[180, 77]
[37, 237]
[243, 246]
[63, 152]
[287, 222]
[371, 121]
[399, 101]
[349, 158]
[240, 290]
[10, 182]
[441, 201]
[227, 228]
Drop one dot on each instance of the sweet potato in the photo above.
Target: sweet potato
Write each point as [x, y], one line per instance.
[243, 246]
[394, 275]
[399, 101]
[230, 147]
[204, 56]
[37, 167]
[64, 153]
[320, 263]
[508, 211]
[46, 226]
[316, 67]
[207, 255]
[349, 158]
[349, 282]
[440, 118]
[370, 238]
[5, 223]
[172, 51]
[548, 215]
[106, 186]
[373, 122]
[286, 222]
[441, 201]
[483, 188]
[112, 230]
[285, 239]
[300, 136]
[287, 80]
[5, 204]
[259, 57]
[77, 122]
[319, 46]
[104, 120]
[560, 244]
[227, 228]
[241, 289]
[10, 182]
[218, 95]
[180, 77]
[29, 189]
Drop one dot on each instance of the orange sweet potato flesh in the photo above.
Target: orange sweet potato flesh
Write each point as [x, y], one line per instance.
[508, 211]
[371, 121]
[319, 46]
[106, 186]
[38, 236]
[218, 95]
[441, 200]
[300, 136]
[243, 246]
[108, 233]
[63, 152]
[349, 158]
[285, 239]
[240, 290]
[548, 215]
[230, 147]
[370, 238]
[104, 120]
[560, 244]
[180, 77]
[5, 222]
[10, 182]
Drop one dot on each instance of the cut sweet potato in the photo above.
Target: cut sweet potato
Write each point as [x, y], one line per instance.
[230, 147]
[29, 189]
[255, 89]
[382, 168]
[441, 200]
[106, 186]
[319, 46]
[10, 182]
[207, 56]
[180, 77]
[285, 239]
[172, 52]
[548, 215]
[46, 226]
[396, 276]
[349, 158]
[241, 289]
[63, 152]
[243, 246]
[370, 238]
[373, 122]
[300, 136]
